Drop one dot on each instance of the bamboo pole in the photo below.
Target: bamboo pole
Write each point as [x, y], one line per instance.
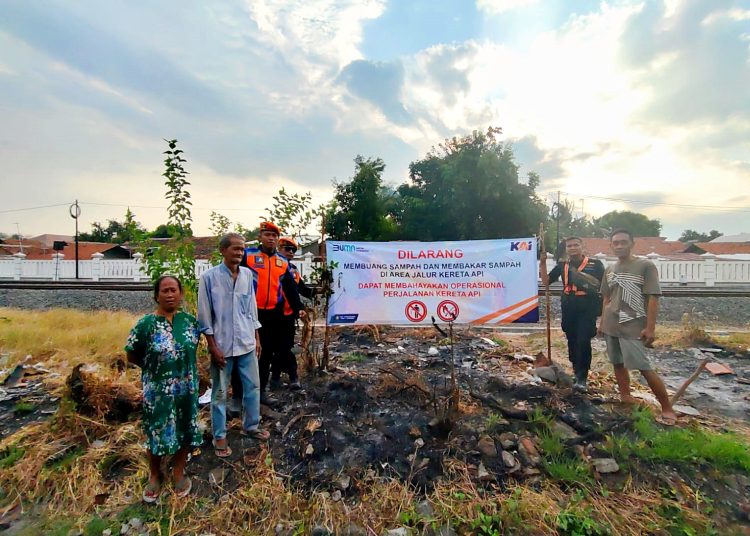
[547, 299]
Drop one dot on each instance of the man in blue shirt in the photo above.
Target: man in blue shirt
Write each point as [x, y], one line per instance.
[228, 317]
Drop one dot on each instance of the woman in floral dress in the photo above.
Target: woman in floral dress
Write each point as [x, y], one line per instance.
[163, 344]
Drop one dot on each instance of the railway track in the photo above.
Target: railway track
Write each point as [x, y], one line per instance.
[667, 291]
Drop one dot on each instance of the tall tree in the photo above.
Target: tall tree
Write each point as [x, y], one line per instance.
[636, 223]
[117, 232]
[468, 188]
[293, 213]
[178, 255]
[688, 235]
[358, 208]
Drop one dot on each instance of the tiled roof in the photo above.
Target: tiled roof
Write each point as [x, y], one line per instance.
[37, 251]
[643, 246]
[723, 248]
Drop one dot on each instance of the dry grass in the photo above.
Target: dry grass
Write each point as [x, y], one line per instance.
[63, 337]
[62, 471]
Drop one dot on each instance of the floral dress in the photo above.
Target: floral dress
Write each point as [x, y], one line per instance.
[170, 380]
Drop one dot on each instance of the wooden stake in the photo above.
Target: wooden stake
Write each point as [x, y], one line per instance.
[547, 300]
[691, 379]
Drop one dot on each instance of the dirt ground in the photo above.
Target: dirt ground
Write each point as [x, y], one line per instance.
[380, 411]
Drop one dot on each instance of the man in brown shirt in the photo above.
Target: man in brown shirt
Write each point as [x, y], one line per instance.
[630, 289]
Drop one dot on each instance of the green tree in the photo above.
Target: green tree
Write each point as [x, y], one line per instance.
[569, 224]
[292, 212]
[115, 232]
[177, 256]
[357, 211]
[636, 223]
[468, 188]
[688, 235]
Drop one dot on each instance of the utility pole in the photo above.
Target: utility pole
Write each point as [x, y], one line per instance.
[20, 238]
[75, 213]
[557, 217]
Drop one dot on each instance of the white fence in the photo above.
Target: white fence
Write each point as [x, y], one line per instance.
[97, 268]
[706, 271]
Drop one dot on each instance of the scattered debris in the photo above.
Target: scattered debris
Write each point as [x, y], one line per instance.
[718, 369]
[528, 452]
[483, 473]
[686, 410]
[487, 447]
[508, 440]
[605, 465]
[205, 398]
[509, 460]
[14, 377]
[217, 476]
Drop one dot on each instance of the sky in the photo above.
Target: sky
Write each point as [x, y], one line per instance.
[618, 105]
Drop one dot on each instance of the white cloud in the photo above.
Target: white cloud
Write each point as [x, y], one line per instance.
[318, 37]
[501, 6]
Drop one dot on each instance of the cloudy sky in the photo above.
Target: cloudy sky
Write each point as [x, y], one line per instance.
[646, 102]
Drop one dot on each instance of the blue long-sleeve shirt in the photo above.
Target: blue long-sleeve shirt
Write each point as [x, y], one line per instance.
[227, 309]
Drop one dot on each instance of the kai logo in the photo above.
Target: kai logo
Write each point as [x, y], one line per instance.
[520, 246]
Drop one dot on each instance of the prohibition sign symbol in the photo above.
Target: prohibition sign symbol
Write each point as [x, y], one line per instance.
[416, 311]
[447, 310]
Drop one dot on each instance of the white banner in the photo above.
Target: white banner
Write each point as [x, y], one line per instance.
[470, 282]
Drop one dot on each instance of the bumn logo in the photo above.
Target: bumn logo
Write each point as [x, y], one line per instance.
[520, 246]
[344, 247]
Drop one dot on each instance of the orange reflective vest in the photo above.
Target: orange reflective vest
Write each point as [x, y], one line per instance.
[288, 308]
[267, 273]
[568, 287]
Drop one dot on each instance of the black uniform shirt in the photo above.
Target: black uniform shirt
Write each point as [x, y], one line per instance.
[591, 302]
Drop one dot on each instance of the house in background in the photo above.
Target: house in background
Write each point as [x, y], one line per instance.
[36, 250]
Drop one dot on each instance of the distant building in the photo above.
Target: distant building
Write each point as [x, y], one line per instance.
[741, 237]
[36, 250]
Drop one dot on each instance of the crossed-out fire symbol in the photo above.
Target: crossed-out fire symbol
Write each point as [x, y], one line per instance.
[447, 310]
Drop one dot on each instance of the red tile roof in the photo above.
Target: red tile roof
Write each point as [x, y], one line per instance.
[37, 251]
[724, 248]
[643, 246]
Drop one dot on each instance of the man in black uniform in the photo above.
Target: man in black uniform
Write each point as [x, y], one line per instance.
[581, 303]
[288, 248]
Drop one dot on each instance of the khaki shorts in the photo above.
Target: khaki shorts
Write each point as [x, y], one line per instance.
[628, 352]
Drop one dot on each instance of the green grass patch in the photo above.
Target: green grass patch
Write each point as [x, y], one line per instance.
[158, 513]
[96, 526]
[576, 521]
[560, 462]
[23, 408]
[675, 523]
[64, 459]
[487, 524]
[10, 455]
[567, 470]
[495, 423]
[502, 343]
[353, 357]
[722, 450]
[48, 527]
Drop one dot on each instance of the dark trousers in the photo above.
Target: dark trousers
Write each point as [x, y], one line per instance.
[579, 331]
[290, 360]
[272, 356]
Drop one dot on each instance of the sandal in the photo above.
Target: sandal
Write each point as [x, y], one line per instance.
[183, 487]
[666, 421]
[151, 493]
[225, 452]
[257, 434]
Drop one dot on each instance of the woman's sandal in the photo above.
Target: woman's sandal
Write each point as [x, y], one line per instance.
[183, 487]
[151, 492]
[666, 421]
[222, 452]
